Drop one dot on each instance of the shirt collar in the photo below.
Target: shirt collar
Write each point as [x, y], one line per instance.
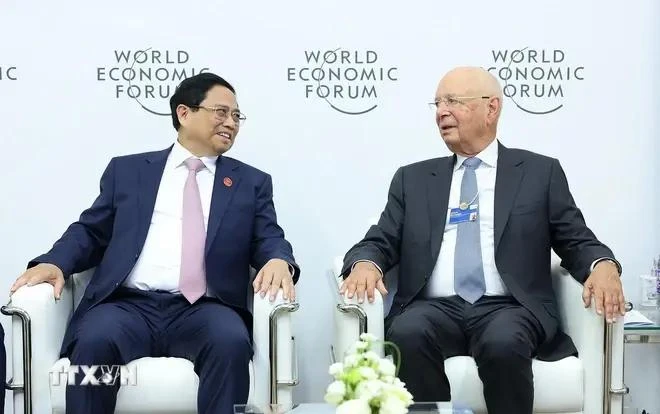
[488, 156]
[180, 153]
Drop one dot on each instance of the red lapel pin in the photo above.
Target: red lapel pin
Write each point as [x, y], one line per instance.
[228, 182]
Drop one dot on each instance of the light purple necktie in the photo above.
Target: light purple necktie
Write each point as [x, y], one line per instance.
[192, 282]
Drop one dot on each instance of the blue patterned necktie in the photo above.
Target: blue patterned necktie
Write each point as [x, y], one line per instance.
[468, 267]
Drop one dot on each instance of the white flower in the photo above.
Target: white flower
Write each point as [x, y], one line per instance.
[371, 356]
[366, 382]
[354, 407]
[335, 392]
[392, 405]
[336, 369]
[369, 390]
[398, 383]
[398, 389]
[351, 361]
[393, 387]
[367, 337]
[367, 373]
[386, 367]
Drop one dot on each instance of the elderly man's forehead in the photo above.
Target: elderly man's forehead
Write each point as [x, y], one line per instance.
[467, 86]
[455, 87]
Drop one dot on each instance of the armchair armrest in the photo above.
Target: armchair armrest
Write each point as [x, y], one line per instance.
[38, 331]
[602, 361]
[274, 349]
[353, 318]
[585, 327]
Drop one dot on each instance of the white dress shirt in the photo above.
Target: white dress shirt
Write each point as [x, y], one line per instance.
[442, 279]
[159, 264]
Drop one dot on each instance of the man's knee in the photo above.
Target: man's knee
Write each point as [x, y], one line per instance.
[230, 343]
[406, 335]
[99, 343]
[504, 349]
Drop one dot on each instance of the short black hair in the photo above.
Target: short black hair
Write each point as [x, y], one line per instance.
[192, 91]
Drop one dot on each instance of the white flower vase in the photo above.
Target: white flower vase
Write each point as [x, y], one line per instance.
[365, 383]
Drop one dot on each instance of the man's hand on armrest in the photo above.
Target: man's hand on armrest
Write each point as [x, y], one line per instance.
[604, 284]
[41, 273]
[275, 274]
[364, 276]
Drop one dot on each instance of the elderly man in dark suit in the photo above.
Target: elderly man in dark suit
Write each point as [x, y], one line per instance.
[472, 235]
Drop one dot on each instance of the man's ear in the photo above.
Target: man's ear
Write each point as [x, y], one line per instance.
[182, 113]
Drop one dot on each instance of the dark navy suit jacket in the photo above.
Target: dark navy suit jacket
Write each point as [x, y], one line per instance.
[242, 231]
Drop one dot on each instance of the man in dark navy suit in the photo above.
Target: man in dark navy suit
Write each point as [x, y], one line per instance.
[172, 235]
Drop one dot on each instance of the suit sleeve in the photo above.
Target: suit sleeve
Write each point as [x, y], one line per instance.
[572, 240]
[381, 245]
[84, 242]
[268, 240]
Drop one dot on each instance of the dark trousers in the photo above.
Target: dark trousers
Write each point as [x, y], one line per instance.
[500, 334]
[134, 324]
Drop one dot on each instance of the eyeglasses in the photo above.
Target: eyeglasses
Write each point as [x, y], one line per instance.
[222, 112]
[453, 101]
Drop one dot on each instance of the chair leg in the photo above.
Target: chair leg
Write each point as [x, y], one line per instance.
[272, 350]
[608, 367]
[26, 328]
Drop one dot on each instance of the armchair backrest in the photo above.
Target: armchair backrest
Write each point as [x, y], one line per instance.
[391, 280]
[79, 282]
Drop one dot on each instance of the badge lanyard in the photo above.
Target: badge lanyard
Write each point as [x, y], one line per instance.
[464, 205]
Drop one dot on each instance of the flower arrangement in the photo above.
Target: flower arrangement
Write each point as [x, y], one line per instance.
[365, 383]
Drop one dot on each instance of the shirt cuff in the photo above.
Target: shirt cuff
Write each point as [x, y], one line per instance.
[609, 259]
[368, 261]
[292, 269]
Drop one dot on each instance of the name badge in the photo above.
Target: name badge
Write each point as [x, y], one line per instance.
[462, 215]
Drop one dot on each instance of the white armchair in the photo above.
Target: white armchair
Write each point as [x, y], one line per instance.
[592, 383]
[38, 328]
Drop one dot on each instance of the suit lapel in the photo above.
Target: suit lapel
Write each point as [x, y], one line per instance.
[149, 175]
[507, 183]
[225, 184]
[437, 192]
